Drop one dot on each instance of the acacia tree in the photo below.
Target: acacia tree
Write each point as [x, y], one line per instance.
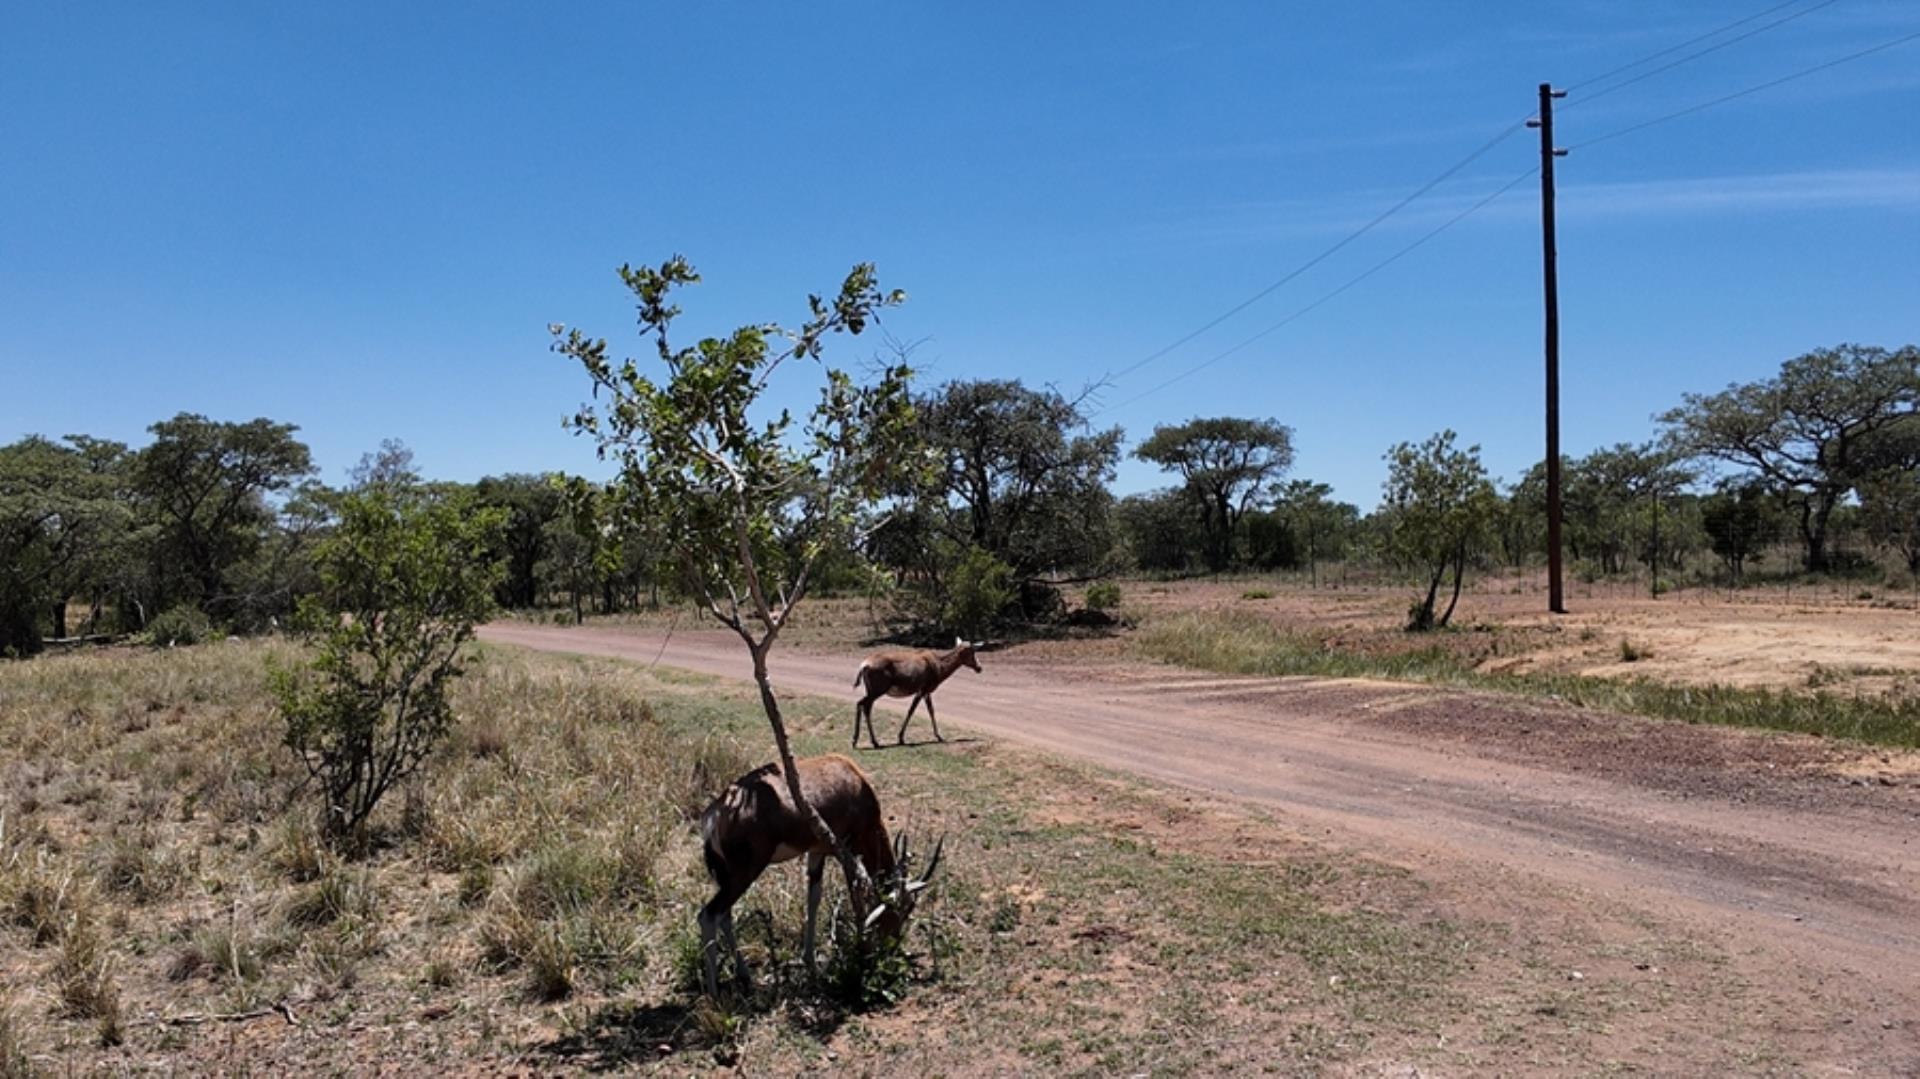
[1440, 505]
[1810, 431]
[744, 502]
[206, 483]
[1226, 462]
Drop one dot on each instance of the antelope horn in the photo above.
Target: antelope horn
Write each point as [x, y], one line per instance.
[933, 863]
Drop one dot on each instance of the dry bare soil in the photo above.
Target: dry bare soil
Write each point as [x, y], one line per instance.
[1828, 636]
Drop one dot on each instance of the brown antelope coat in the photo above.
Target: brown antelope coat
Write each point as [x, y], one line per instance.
[753, 824]
[912, 673]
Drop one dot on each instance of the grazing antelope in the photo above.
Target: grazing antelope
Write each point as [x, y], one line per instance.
[907, 673]
[753, 824]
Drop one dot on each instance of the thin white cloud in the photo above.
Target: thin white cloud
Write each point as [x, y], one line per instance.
[1889, 189]
[1834, 189]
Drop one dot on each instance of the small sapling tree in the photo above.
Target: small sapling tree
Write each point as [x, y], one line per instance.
[1440, 508]
[743, 501]
[404, 577]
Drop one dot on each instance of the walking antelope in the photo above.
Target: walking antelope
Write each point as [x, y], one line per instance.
[753, 824]
[907, 673]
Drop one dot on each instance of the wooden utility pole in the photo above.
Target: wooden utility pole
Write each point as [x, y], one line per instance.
[1556, 596]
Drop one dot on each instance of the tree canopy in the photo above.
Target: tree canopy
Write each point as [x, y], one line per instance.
[58, 514]
[1014, 479]
[743, 501]
[1225, 463]
[1809, 430]
[1440, 507]
[206, 483]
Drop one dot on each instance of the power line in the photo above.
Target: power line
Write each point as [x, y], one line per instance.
[1690, 42]
[1326, 254]
[1350, 283]
[1737, 94]
[1455, 168]
[1508, 186]
[1690, 57]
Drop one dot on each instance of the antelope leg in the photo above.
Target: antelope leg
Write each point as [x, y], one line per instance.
[901, 738]
[816, 866]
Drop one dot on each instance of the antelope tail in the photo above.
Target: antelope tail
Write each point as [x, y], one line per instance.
[709, 846]
[860, 675]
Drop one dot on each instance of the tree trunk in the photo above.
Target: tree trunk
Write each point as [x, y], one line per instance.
[1815, 513]
[1459, 570]
[855, 871]
[1222, 535]
[1423, 619]
[60, 617]
[1655, 563]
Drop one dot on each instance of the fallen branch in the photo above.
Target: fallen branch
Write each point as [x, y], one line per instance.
[281, 1008]
[91, 638]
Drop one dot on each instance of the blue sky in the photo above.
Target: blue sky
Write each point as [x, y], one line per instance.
[361, 218]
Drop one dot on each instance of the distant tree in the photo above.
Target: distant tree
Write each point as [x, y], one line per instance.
[1226, 464]
[1808, 431]
[1890, 506]
[1315, 518]
[1740, 519]
[403, 579]
[206, 484]
[1016, 481]
[1159, 531]
[582, 548]
[1522, 523]
[1440, 508]
[389, 467]
[532, 503]
[56, 514]
[744, 502]
[1268, 541]
[268, 584]
[100, 534]
[1647, 475]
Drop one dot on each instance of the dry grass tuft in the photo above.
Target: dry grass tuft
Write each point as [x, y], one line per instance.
[43, 895]
[340, 894]
[14, 1061]
[84, 975]
[140, 868]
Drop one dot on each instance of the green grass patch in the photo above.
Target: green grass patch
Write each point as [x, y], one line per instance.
[1242, 644]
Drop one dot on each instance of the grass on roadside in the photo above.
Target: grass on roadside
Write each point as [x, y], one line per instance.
[1238, 643]
[158, 858]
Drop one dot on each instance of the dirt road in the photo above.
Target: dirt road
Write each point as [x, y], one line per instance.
[1785, 845]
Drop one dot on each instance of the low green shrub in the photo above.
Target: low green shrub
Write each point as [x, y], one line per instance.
[182, 625]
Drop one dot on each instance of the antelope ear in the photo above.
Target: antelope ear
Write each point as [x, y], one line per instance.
[959, 642]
